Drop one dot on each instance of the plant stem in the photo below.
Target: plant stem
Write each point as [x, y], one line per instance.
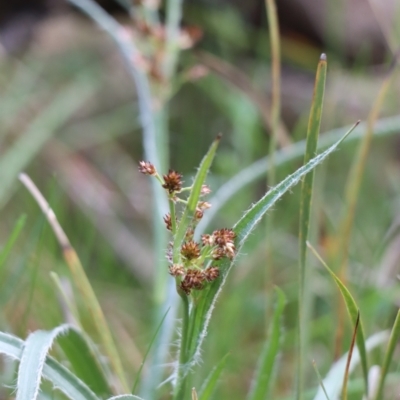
[173, 216]
[181, 378]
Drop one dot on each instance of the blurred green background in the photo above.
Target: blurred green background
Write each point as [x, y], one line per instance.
[69, 118]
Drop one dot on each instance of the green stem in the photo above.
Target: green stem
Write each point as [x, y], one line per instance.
[173, 216]
[181, 379]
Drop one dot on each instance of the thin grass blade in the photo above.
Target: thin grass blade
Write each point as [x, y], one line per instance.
[393, 341]
[125, 397]
[201, 317]
[5, 251]
[314, 124]
[353, 311]
[261, 386]
[53, 371]
[350, 354]
[334, 379]
[211, 381]
[321, 384]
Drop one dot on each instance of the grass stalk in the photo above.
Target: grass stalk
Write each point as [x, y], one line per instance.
[82, 283]
[314, 124]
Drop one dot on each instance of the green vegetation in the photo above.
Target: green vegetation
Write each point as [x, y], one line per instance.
[116, 285]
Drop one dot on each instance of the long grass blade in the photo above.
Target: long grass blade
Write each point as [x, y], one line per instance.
[209, 385]
[125, 397]
[261, 386]
[393, 341]
[321, 383]
[81, 282]
[243, 229]
[257, 170]
[314, 123]
[353, 311]
[53, 371]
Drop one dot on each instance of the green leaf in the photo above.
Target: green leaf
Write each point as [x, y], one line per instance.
[353, 311]
[314, 124]
[53, 371]
[82, 355]
[36, 349]
[210, 383]
[202, 310]
[194, 196]
[393, 340]
[261, 385]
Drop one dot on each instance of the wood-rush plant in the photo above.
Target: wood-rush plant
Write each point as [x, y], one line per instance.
[200, 267]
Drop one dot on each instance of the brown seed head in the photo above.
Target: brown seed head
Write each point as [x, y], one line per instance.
[211, 273]
[194, 279]
[190, 250]
[218, 253]
[172, 181]
[176, 270]
[168, 221]
[147, 168]
[198, 215]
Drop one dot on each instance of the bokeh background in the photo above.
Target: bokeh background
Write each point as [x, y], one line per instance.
[69, 118]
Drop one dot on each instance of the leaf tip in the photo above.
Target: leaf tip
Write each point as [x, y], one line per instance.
[323, 57]
[218, 138]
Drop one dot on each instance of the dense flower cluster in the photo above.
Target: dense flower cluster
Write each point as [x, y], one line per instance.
[193, 266]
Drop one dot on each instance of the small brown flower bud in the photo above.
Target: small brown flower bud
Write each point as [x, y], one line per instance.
[168, 221]
[205, 190]
[190, 250]
[194, 279]
[218, 253]
[172, 181]
[189, 234]
[198, 215]
[176, 270]
[203, 205]
[207, 240]
[211, 273]
[147, 168]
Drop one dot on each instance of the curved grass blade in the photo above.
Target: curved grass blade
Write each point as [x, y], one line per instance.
[210, 383]
[36, 349]
[393, 341]
[82, 356]
[261, 386]
[53, 371]
[347, 369]
[314, 124]
[334, 379]
[81, 282]
[194, 196]
[125, 397]
[353, 311]
[200, 318]
[257, 170]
